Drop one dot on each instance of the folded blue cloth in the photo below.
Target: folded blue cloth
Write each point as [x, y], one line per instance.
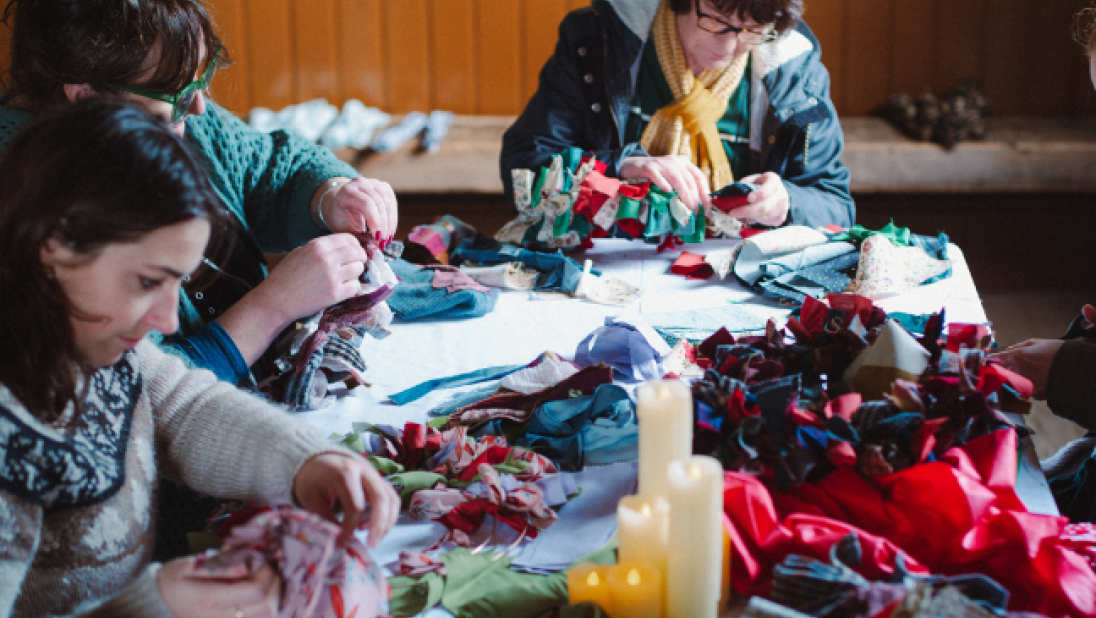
[415, 297]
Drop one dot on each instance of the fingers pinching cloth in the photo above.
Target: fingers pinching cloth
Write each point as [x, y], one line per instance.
[320, 579]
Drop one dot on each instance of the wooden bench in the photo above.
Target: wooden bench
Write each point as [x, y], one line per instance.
[1020, 155]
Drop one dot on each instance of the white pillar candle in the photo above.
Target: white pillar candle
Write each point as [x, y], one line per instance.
[643, 530]
[589, 582]
[636, 590]
[665, 414]
[694, 569]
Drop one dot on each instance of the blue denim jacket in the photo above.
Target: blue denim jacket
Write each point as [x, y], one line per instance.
[587, 86]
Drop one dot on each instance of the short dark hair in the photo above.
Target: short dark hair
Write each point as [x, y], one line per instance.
[104, 43]
[783, 14]
[98, 172]
[1084, 28]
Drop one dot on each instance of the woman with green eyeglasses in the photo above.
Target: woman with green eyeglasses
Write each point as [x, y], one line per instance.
[286, 196]
[692, 95]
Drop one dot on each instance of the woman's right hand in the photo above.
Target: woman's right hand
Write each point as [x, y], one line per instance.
[306, 281]
[314, 276]
[671, 173]
[190, 591]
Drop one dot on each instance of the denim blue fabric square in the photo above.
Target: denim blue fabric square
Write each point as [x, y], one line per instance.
[415, 297]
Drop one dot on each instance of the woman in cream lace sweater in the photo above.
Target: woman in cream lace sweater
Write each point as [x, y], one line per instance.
[102, 213]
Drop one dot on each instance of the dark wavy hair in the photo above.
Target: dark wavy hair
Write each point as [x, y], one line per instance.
[1084, 28]
[98, 172]
[104, 43]
[783, 14]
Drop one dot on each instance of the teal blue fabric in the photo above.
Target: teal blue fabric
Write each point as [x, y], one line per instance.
[580, 431]
[472, 377]
[265, 179]
[212, 348]
[416, 297]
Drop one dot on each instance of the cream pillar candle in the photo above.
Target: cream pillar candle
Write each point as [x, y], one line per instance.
[665, 414]
[636, 590]
[643, 529]
[589, 582]
[694, 569]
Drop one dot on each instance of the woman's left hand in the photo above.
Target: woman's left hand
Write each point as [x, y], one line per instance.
[363, 201]
[333, 483]
[768, 204]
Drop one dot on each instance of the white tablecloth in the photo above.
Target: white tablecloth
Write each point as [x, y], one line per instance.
[524, 324]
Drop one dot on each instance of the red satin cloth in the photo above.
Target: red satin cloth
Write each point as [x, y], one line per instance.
[955, 516]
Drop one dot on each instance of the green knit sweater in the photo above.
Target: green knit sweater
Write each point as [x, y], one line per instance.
[266, 180]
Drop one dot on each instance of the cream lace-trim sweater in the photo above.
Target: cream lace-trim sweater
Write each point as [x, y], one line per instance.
[86, 547]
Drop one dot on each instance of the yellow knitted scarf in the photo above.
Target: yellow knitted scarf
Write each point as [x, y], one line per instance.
[687, 126]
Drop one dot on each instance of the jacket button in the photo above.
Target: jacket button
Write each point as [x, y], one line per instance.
[582, 51]
[596, 107]
[772, 139]
[588, 78]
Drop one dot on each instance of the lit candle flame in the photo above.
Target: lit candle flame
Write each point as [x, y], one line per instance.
[694, 472]
[592, 579]
[663, 392]
[633, 577]
[645, 511]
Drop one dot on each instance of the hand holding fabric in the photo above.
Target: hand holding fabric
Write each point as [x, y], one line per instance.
[364, 201]
[671, 173]
[768, 204]
[1032, 359]
[333, 483]
[314, 276]
[193, 592]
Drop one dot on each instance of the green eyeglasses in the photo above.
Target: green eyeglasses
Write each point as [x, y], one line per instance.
[181, 102]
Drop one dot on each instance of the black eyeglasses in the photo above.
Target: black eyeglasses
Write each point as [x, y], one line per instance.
[715, 25]
[181, 102]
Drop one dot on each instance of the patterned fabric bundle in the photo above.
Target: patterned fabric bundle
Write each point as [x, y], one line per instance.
[572, 202]
[458, 481]
[320, 578]
[327, 348]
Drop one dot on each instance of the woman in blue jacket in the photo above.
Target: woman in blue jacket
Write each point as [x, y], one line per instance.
[692, 95]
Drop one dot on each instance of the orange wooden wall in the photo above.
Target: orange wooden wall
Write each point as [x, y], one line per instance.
[483, 56]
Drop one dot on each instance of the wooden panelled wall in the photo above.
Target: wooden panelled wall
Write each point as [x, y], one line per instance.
[483, 56]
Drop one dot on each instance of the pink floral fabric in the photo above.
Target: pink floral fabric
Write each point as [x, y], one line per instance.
[319, 578]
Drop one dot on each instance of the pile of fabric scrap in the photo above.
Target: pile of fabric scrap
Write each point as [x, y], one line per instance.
[791, 263]
[458, 481]
[326, 349]
[321, 578]
[572, 202]
[573, 415]
[438, 291]
[804, 586]
[505, 265]
[433, 242]
[845, 422]
[356, 125]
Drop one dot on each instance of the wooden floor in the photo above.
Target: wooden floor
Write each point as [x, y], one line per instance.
[1033, 258]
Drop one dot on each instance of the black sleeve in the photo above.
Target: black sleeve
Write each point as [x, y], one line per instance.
[1071, 385]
